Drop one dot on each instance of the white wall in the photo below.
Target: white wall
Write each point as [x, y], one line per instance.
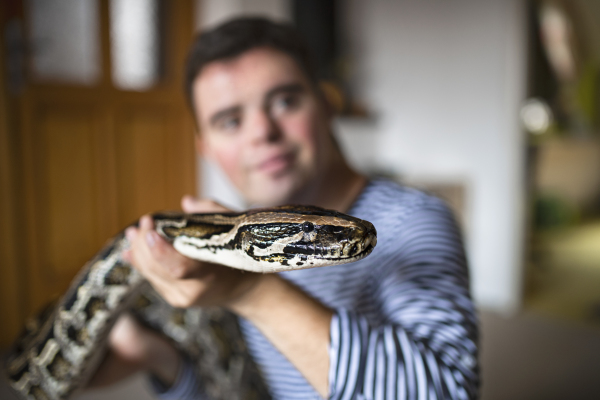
[211, 12]
[444, 80]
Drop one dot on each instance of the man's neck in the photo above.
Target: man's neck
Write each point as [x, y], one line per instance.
[336, 189]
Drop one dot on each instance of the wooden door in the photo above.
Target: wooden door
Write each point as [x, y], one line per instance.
[86, 159]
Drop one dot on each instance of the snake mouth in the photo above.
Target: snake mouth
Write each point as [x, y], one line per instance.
[359, 249]
[367, 247]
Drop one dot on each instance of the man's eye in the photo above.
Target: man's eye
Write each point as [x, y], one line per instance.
[286, 102]
[229, 123]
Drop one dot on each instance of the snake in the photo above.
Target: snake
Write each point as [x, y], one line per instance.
[60, 349]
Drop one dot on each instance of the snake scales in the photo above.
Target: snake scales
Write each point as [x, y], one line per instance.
[60, 349]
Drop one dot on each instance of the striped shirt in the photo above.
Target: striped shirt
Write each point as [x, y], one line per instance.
[404, 325]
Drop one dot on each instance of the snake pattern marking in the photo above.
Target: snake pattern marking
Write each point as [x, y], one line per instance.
[59, 350]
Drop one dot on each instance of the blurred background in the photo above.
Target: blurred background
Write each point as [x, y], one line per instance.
[493, 106]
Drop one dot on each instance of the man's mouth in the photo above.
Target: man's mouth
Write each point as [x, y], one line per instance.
[276, 164]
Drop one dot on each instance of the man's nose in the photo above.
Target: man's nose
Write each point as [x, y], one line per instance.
[264, 128]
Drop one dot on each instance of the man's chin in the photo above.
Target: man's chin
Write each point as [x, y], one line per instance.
[273, 192]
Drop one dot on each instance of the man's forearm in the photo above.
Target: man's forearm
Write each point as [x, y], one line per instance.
[296, 324]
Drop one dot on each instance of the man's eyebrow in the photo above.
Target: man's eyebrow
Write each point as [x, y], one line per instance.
[220, 114]
[285, 88]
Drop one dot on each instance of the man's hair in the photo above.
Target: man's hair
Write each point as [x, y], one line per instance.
[237, 36]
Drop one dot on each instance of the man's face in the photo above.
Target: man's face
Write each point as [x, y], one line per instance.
[262, 121]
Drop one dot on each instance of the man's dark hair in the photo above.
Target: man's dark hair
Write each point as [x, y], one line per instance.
[237, 36]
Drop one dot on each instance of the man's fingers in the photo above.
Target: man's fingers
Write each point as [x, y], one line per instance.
[188, 203]
[191, 205]
[166, 259]
[153, 255]
[145, 245]
[180, 280]
[146, 223]
[131, 234]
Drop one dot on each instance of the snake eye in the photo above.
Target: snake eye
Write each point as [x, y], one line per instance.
[308, 227]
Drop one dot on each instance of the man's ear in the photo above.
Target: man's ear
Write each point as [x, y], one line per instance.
[332, 97]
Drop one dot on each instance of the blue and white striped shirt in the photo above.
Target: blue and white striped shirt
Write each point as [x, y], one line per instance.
[404, 325]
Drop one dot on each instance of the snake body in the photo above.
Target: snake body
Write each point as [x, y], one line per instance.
[60, 349]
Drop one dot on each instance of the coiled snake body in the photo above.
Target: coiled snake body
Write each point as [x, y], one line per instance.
[59, 351]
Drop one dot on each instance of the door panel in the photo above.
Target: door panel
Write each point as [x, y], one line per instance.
[142, 161]
[64, 195]
[154, 160]
[90, 159]
[66, 175]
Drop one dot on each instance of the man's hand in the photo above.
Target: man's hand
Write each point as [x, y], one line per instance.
[133, 348]
[181, 281]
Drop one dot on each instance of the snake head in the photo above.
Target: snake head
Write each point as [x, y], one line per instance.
[306, 237]
[271, 240]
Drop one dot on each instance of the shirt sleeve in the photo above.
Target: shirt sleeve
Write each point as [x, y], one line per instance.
[425, 346]
[186, 386]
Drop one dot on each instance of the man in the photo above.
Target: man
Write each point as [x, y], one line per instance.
[398, 324]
